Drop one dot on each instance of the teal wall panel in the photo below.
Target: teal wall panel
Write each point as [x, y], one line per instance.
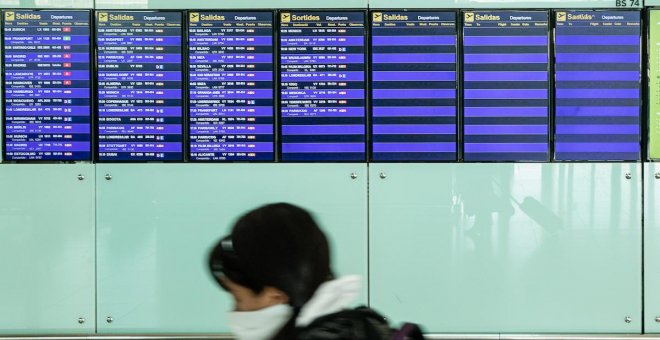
[46, 249]
[227, 4]
[156, 222]
[652, 248]
[507, 247]
[504, 4]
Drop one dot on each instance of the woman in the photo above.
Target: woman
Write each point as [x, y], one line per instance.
[276, 265]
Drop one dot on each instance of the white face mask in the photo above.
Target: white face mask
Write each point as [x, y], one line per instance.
[260, 324]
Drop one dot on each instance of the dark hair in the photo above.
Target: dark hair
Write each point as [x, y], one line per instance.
[278, 245]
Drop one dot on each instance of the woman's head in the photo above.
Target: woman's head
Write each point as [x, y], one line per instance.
[274, 254]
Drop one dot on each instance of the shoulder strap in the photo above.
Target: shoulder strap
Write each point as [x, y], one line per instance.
[409, 331]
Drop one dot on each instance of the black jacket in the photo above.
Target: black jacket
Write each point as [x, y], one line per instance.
[351, 324]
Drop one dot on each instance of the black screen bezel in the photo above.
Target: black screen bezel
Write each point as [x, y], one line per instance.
[184, 94]
[550, 84]
[642, 98]
[367, 90]
[458, 64]
[274, 48]
[92, 90]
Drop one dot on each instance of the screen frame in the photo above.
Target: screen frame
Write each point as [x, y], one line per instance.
[458, 80]
[184, 93]
[550, 83]
[92, 88]
[643, 100]
[275, 86]
[367, 78]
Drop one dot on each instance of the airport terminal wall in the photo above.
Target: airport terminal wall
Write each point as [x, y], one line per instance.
[487, 167]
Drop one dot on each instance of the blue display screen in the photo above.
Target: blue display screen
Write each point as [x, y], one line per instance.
[506, 91]
[413, 86]
[322, 86]
[231, 86]
[47, 88]
[598, 93]
[140, 79]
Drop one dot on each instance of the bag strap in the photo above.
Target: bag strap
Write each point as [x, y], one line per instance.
[408, 331]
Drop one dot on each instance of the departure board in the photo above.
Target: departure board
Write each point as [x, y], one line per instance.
[231, 86]
[47, 105]
[598, 85]
[322, 86]
[413, 86]
[506, 91]
[140, 96]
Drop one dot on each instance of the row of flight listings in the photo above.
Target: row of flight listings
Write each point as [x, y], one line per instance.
[140, 74]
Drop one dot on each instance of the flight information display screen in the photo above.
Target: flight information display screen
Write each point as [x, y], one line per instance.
[231, 86]
[47, 105]
[598, 85]
[413, 85]
[140, 96]
[322, 80]
[506, 90]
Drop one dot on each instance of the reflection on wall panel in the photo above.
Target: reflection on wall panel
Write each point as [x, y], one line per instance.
[506, 247]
